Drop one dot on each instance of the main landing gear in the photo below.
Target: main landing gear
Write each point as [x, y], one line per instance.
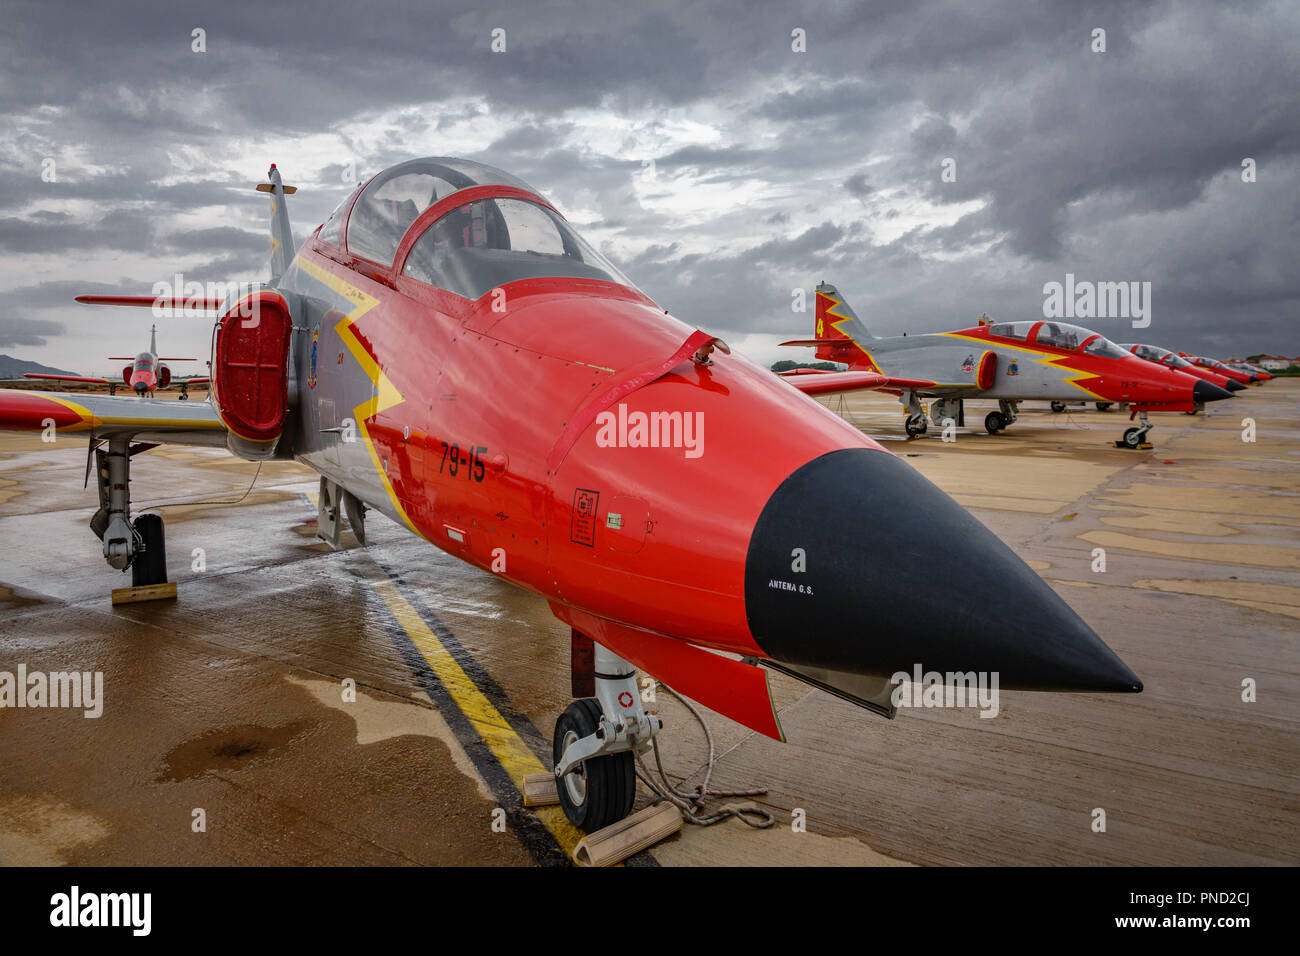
[948, 409]
[1134, 437]
[916, 422]
[995, 422]
[139, 544]
[597, 737]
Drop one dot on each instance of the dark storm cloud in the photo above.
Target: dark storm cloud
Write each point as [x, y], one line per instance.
[1115, 165]
[857, 186]
[19, 332]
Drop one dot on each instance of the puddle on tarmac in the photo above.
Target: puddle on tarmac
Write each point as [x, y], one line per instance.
[229, 748]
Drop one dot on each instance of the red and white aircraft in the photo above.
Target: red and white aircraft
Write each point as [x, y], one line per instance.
[446, 349]
[146, 374]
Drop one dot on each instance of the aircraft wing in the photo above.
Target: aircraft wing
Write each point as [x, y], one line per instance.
[143, 419]
[818, 382]
[68, 378]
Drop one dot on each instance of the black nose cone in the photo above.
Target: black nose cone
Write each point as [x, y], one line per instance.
[1204, 391]
[139, 387]
[858, 563]
[1235, 386]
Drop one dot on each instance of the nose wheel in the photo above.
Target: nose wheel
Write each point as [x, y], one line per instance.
[600, 791]
[596, 740]
[1137, 435]
[915, 425]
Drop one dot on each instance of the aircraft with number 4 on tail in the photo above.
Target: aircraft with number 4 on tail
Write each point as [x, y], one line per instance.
[1007, 361]
[447, 350]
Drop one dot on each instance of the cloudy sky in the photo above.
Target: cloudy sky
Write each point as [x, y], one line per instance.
[717, 165]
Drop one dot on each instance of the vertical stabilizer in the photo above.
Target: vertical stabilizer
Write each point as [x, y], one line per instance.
[282, 246]
[835, 318]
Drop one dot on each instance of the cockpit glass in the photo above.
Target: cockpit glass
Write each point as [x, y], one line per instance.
[329, 232]
[396, 197]
[1104, 347]
[1061, 336]
[1012, 330]
[484, 244]
[1153, 353]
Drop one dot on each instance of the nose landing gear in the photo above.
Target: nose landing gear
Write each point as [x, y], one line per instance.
[1136, 436]
[594, 745]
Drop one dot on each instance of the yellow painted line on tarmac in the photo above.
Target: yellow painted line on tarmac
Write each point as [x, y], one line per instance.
[507, 746]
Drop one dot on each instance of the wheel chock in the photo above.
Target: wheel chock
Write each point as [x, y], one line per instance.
[618, 841]
[540, 790]
[145, 592]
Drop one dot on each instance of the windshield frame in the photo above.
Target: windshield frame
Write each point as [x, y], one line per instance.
[463, 197]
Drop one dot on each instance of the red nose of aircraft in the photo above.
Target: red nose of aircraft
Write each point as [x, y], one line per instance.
[785, 530]
[1155, 384]
[142, 381]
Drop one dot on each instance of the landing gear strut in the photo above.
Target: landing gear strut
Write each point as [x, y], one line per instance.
[595, 741]
[1134, 437]
[994, 422]
[944, 409]
[916, 421]
[139, 544]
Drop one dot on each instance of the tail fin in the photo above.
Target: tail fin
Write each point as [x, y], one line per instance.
[836, 318]
[282, 247]
[153, 340]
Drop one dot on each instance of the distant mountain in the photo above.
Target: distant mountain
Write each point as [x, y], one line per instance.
[11, 367]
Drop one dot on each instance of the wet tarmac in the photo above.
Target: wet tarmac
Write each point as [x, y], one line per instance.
[229, 734]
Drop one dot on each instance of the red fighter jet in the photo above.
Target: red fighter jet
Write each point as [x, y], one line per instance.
[448, 350]
[1153, 353]
[146, 374]
[1007, 361]
[1245, 378]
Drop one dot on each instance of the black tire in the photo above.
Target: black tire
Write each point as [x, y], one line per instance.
[1058, 407]
[608, 784]
[915, 426]
[1103, 406]
[1133, 437]
[150, 565]
[994, 422]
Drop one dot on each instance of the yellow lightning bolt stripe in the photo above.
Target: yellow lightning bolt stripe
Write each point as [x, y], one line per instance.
[1040, 358]
[275, 243]
[386, 393]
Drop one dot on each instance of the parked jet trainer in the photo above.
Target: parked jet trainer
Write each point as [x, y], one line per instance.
[146, 373]
[1153, 353]
[1009, 361]
[441, 290]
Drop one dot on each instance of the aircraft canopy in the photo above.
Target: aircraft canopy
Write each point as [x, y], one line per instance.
[393, 200]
